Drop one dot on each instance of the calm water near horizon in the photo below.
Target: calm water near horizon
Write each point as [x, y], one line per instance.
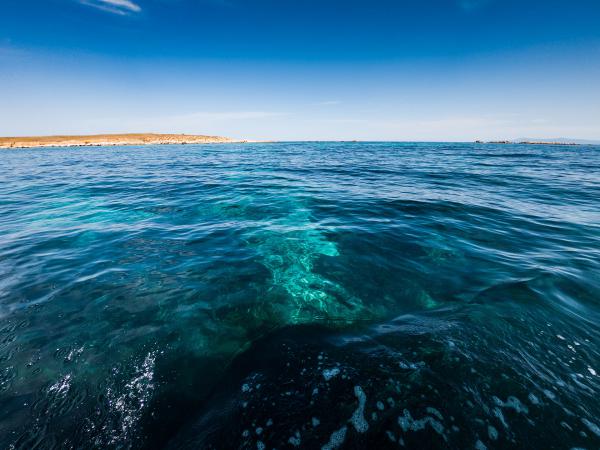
[300, 295]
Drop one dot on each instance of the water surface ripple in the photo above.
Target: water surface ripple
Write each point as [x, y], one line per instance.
[300, 295]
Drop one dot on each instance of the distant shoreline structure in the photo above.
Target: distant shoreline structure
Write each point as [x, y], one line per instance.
[556, 141]
[98, 140]
[526, 143]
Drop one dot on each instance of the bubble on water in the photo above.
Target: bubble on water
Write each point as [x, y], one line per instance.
[315, 422]
[269, 422]
[328, 374]
[492, 433]
[245, 433]
[480, 445]
[533, 399]
[380, 406]
[245, 387]
[358, 418]
[260, 445]
[336, 439]
[259, 430]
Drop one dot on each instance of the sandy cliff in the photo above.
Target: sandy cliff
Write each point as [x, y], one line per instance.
[109, 139]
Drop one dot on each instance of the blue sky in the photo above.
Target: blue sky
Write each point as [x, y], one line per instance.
[302, 69]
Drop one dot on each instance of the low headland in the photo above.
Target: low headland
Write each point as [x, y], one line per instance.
[111, 139]
[552, 141]
[527, 142]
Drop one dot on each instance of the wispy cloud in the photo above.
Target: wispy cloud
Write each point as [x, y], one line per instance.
[328, 103]
[228, 115]
[227, 123]
[121, 7]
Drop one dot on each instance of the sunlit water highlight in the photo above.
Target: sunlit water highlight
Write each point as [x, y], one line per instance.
[300, 295]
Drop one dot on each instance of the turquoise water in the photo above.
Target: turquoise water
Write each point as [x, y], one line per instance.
[300, 295]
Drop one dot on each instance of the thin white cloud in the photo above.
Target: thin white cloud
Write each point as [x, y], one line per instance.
[121, 7]
[328, 103]
[223, 116]
[224, 123]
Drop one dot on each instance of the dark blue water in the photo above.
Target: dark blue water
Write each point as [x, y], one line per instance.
[300, 295]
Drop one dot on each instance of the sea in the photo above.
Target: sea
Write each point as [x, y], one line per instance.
[318, 295]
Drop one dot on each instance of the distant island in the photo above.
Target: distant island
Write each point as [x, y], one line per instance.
[110, 139]
[527, 142]
[533, 141]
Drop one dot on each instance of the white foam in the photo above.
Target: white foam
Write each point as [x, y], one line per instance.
[407, 423]
[500, 417]
[358, 418]
[133, 400]
[512, 402]
[549, 394]
[62, 386]
[592, 426]
[434, 412]
[328, 374]
[295, 440]
[533, 399]
[480, 445]
[336, 439]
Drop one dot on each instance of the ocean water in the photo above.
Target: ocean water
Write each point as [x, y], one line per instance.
[300, 295]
